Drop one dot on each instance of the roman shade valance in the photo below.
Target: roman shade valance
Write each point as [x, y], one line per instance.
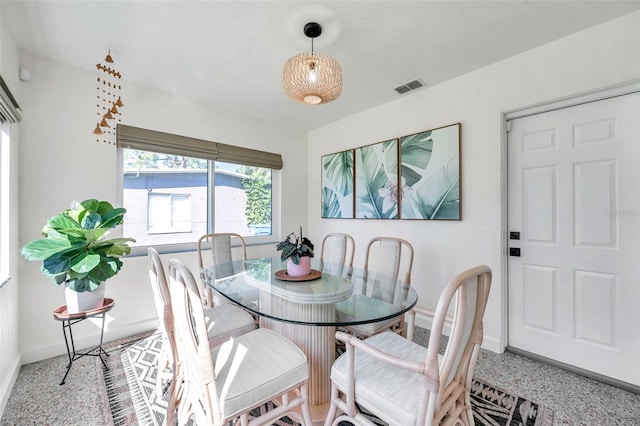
[8, 105]
[249, 157]
[166, 143]
[151, 140]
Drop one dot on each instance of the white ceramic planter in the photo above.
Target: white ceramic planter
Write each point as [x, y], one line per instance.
[304, 268]
[84, 300]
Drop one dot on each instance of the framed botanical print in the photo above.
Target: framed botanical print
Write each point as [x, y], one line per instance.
[337, 185]
[430, 174]
[377, 181]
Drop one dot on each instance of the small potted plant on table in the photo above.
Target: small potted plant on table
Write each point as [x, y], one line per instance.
[73, 250]
[297, 251]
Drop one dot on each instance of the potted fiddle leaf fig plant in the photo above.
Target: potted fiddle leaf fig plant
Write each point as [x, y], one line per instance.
[74, 250]
[297, 251]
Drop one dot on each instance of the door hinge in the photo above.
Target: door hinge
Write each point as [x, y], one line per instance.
[508, 126]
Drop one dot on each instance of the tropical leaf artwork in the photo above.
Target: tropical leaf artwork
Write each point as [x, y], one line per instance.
[337, 185]
[377, 181]
[430, 174]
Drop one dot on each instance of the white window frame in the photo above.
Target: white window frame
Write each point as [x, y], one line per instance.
[5, 202]
[276, 202]
[9, 113]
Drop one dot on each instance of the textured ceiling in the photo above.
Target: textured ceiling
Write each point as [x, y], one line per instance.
[230, 53]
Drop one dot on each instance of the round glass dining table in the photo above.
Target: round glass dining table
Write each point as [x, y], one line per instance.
[308, 309]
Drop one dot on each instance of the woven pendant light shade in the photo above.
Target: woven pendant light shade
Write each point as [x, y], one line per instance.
[310, 78]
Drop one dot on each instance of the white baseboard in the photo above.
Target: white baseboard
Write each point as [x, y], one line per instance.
[492, 344]
[59, 348]
[7, 385]
[425, 321]
[488, 342]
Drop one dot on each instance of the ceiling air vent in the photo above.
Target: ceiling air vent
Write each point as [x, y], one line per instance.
[408, 87]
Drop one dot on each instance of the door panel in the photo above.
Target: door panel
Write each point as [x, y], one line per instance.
[595, 192]
[574, 292]
[540, 205]
[539, 285]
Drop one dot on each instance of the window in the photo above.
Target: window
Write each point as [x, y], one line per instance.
[9, 113]
[174, 199]
[5, 192]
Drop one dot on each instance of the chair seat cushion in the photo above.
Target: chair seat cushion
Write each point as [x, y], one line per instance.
[226, 321]
[371, 328]
[391, 393]
[251, 368]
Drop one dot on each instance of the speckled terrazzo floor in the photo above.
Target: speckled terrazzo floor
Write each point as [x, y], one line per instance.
[37, 399]
[574, 399]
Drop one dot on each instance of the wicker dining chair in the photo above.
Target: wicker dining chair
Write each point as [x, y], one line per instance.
[245, 372]
[219, 263]
[168, 363]
[336, 254]
[222, 322]
[386, 277]
[403, 383]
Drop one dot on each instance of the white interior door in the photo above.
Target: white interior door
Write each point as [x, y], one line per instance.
[574, 199]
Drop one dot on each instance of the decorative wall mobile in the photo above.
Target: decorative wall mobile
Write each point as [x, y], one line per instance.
[108, 102]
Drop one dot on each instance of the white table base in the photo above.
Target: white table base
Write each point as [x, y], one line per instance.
[318, 344]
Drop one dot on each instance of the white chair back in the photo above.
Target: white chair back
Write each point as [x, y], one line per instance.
[469, 292]
[387, 278]
[387, 260]
[193, 342]
[158, 281]
[219, 262]
[221, 252]
[336, 255]
[168, 360]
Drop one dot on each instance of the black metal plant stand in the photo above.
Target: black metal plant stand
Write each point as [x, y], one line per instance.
[68, 320]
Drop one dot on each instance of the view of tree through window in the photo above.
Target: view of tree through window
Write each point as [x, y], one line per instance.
[257, 185]
[170, 198]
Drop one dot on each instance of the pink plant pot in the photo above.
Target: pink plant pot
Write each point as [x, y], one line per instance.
[304, 268]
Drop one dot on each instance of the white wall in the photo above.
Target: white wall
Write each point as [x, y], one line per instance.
[601, 56]
[61, 162]
[9, 349]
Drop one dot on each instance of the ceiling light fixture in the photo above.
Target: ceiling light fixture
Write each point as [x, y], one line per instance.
[310, 78]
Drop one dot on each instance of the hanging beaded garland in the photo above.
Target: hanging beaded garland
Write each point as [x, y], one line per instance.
[108, 101]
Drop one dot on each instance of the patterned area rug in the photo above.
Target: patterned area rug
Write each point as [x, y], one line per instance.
[131, 388]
